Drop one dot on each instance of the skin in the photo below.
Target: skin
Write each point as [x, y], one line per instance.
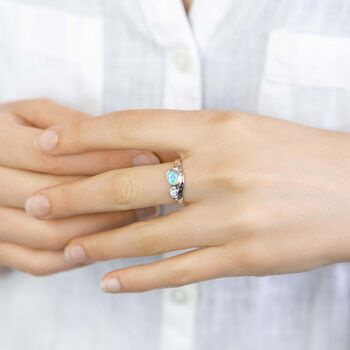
[35, 246]
[187, 4]
[263, 196]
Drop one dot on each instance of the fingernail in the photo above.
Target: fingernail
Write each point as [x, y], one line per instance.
[145, 159]
[38, 206]
[147, 213]
[47, 141]
[75, 253]
[111, 285]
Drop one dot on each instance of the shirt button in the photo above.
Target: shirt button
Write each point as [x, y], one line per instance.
[182, 60]
[179, 296]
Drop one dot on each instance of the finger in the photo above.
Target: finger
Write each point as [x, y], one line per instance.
[17, 185]
[32, 261]
[194, 266]
[124, 189]
[166, 157]
[157, 130]
[182, 229]
[18, 151]
[17, 227]
[43, 113]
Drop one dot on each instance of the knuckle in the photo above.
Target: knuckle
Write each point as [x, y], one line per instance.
[245, 126]
[233, 121]
[219, 118]
[218, 123]
[123, 189]
[224, 175]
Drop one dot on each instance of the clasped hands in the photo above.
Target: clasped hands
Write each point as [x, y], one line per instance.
[262, 196]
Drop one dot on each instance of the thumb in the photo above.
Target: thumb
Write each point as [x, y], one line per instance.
[43, 113]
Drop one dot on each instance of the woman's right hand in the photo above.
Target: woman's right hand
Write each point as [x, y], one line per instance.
[35, 246]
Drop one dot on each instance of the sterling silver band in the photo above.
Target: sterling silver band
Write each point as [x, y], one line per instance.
[176, 180]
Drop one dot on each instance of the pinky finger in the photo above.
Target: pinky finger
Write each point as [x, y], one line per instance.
[33, 261]
[193, 266]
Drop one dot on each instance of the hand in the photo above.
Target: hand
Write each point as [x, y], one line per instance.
[263, 196]
[28, 244]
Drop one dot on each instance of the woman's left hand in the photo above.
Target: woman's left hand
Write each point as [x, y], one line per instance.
[263, 196]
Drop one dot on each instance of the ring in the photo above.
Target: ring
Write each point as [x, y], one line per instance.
[176, 180]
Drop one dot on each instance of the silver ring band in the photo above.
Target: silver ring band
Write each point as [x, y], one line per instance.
[176, 179]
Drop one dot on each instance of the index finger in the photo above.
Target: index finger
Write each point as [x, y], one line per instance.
[18, 151]
[157, 130]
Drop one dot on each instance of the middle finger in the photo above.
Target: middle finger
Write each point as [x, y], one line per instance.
[17, 227]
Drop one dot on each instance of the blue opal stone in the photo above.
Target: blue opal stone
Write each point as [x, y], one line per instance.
[173, 177]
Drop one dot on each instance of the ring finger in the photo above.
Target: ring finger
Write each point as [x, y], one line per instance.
[122, 189]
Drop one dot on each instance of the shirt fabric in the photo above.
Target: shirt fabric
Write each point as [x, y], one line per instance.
[288, 58]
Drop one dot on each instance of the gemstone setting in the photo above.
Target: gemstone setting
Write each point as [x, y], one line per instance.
[173, 177]
[176, 179]
[173, 193]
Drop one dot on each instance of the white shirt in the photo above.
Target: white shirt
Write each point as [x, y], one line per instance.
[288, 58]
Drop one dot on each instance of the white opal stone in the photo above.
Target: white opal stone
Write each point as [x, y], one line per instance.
[173, 193]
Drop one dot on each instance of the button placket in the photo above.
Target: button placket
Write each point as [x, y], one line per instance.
[182, 89]
[182, 59]
[178, 317]
[180, 296]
